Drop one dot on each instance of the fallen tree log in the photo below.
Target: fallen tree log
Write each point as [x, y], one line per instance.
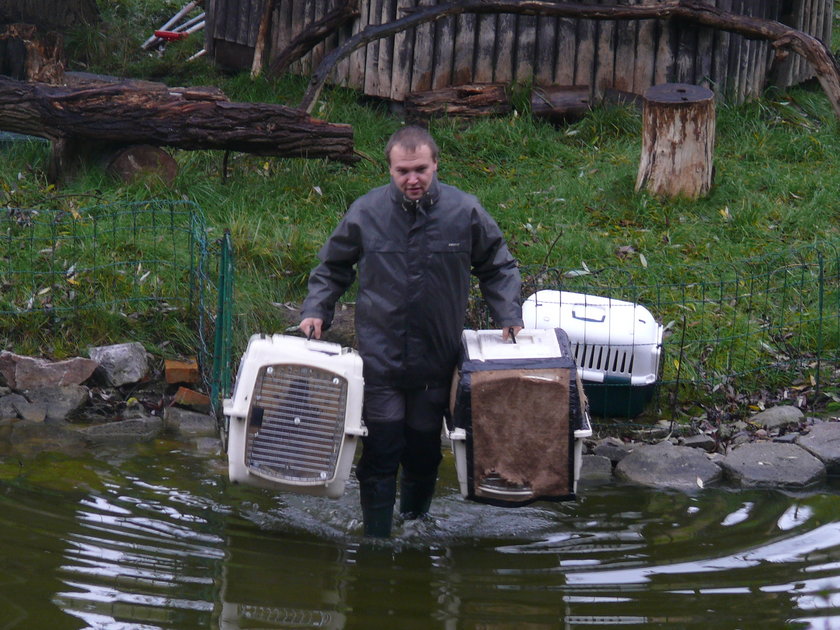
[466, 101]
[142, 112]
[561, 104]
[781, 36]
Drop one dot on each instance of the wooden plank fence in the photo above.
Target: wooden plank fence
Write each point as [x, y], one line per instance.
[624, 55]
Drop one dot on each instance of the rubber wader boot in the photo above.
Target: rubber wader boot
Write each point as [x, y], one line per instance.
[378, 495]
[377, 522]
[416, 495]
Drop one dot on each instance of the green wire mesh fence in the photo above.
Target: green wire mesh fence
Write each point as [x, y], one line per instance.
[138, 271]
[737, 336]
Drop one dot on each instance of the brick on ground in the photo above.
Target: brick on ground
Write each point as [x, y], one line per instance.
[181, 371]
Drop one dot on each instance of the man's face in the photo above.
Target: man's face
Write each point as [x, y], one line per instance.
[412, 171]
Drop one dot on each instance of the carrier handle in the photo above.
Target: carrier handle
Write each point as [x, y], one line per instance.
[589, 319]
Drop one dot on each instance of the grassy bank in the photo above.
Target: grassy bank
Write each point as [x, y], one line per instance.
[563, 195]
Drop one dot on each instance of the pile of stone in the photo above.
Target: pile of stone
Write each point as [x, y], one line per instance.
[115, 395]
[776, 448]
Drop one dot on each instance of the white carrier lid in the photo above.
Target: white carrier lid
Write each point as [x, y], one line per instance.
[487, 345]
[592, 319]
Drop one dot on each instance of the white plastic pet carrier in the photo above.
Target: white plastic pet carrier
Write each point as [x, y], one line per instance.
[518, 418]
[295, 415]
[616, 344]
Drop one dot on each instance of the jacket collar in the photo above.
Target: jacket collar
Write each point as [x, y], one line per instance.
[425, 202]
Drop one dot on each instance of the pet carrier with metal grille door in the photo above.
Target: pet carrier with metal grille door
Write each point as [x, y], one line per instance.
[518, 418]
[616, 345]
[295, 415]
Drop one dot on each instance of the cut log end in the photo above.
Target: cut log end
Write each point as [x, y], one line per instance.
[128, 164]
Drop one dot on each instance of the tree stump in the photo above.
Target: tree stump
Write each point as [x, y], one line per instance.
[678, 136]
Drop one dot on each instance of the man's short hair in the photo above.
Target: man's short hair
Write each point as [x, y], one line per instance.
[411, 138]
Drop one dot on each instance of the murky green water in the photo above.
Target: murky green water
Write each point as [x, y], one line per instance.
[156, 538]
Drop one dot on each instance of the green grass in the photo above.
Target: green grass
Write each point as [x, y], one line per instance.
[563, 195]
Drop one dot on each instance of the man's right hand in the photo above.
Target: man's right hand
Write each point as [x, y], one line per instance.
[311, 327]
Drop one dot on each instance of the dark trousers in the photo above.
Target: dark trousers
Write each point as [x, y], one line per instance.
[404, 428]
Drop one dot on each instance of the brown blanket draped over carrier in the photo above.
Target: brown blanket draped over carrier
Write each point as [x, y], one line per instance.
[521, 432]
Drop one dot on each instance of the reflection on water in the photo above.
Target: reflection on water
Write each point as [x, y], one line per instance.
[158, 539]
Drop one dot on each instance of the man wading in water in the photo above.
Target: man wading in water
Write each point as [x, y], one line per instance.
[414, 243]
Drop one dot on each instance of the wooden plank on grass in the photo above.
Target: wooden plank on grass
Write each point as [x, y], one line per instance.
[564, 69]
[526, 40]
[372, 57]
[686, 53]
[424, 54]
[586, 47]
[546, 47]
[643, 72]
[358, 58]
[666, 45]
[444, 52]
[386, 50]
[485, 57]
[604, 55]
[298, 18]
[306, 65]
[720, 54]
[505, 48]
[280, 28]
[736, 47]
[625, 51]
[703, 64]
[403, 60]
[462, 65]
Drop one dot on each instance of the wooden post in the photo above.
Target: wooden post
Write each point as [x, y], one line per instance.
[678, 136]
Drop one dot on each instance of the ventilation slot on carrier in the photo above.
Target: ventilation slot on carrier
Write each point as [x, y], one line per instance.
[296, 423]
[603, 358]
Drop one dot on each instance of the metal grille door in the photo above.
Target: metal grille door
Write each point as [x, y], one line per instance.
[296, 423]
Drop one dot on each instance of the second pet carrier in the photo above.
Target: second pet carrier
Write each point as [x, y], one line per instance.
[616, 344]
[518, 418]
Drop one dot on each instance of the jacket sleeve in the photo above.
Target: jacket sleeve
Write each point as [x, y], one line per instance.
[496, 270]
[333, 276]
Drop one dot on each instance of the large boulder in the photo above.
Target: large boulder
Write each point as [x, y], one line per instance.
[123, 363]
[188, 423]
[9, 405]
[612, 448]
[59, 403]
[666, 465]
[780, 417]
[773, 465]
